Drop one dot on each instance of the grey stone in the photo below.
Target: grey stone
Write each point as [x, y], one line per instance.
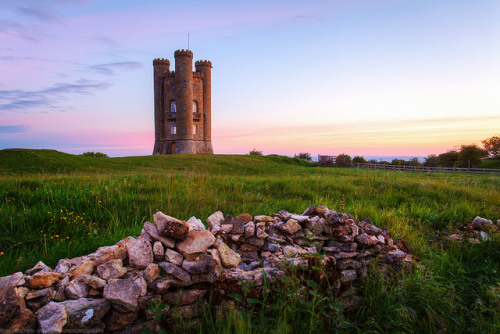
[300, 218]
[158, 251]
[214, 222]
[141, 283]
[93, 281]
[249, 230]
[76, 290]
[289, 251]
[204, 264]
[482, 224]
[52, 318]
[316, 225]
[139, 253]
[395, 256]
[195, 224]
[348, 275]
[14, 316]
[63, 266]
[86, 313]
[170, 226]
[238, 225]
[123, 292]
[151, 272]
[111, 269]
[366, 240]
[183, 297]
[39, 266]
[152, 230]
[174, 257]
[16, 279]
[195, 244]
[175, 271]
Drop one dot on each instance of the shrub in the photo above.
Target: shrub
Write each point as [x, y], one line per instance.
[470, 154]
[448, 159]
[431, 161]
[255, 152]
[303, 156]
[358, 160]
[95, 155]
[343, 160]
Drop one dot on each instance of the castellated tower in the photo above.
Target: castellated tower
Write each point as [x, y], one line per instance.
[182, 105]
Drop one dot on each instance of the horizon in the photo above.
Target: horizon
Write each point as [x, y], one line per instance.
[366, 78]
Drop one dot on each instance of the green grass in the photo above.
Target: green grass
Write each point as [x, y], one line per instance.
[55, 205]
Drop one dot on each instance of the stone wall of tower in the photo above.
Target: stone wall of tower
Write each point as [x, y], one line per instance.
[188, 129]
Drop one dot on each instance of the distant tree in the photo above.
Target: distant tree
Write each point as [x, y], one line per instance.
[492, 145]
[470, 154]
[372, 161]
[398, 162]
[95, 155]
[255, 152]
[304, 156]
[413, 162]
[431, 161]
[358, 160]
[448, 159]
[343, 160]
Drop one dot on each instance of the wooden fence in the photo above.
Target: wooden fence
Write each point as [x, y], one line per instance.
[429, 169]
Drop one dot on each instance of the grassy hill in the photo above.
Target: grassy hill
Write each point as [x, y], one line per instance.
[55, 205]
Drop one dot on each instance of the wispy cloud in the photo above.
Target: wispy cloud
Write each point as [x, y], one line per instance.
[13, 128]
[109, 69]
[38, 13]
[22, 100]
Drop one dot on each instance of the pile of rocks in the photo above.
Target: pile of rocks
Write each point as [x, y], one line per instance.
[178, 263]
[479, 230]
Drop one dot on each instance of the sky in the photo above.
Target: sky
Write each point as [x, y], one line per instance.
[362, 77]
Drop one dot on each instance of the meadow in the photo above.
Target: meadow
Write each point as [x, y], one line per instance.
[55, 205]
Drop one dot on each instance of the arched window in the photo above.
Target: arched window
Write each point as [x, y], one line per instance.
[173, 129]
[195, 129]
[173, 108]
[195, 107]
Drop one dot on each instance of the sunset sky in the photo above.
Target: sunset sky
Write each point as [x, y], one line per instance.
[362, 77]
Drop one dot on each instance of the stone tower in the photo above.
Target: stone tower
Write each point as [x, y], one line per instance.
[182, 105]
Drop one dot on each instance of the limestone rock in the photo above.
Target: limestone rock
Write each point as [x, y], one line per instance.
[245, 218]
[183, 297]
[158, 251]
[123, 292]
[396, 256]
[348, 275]
[111, 269]
[316, 225]
[300, 218]
[174, 257]
[366, 240]
[142, 284]
[175, 271]
[93, 281]
[86, 313]
[52, 318]
[63, 266]
[14, 316]
[86, 267]
[372, 229]
[228, 257]
[16, 279]
[285, 214]
[152, 230]
[195, 224]
[76, 290]
[140, 253]
[118, 321]
[151, 272]
[204, 264]
[263, 219]
[291, 226]
[336, 218]
[289, 251]
[43, 279]
[249, 229]
[214, 222]
[170, 226]
[39, 266]
[195, 244]
[345, 255]
[482, 224]
[238, 225]
[107, 253]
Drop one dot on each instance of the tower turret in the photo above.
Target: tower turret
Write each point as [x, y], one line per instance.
[184, 94]
[205, 67]
[161, 68]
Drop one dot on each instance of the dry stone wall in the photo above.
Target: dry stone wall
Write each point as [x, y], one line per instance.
[181, 263]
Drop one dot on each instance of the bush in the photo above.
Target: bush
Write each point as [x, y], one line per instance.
[255, 152]
[492, 145]
[303, 156]
[448, 159]
[95, 155]
[343, 160]
[358, 160]
[431, 161]
[470, 154]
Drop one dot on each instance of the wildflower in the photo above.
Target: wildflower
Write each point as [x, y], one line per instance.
[57, 236]
[1, 253]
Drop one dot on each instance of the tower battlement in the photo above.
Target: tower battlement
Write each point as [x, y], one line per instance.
[182, 101]
[183, 53]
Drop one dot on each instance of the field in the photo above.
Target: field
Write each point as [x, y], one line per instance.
[56, 205]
